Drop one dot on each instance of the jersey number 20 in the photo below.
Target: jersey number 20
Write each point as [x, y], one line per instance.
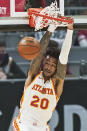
[43, 102]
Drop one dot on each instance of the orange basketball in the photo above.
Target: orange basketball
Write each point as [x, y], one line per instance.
[29, 48]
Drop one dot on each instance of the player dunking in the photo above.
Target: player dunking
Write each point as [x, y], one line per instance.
[43, 88]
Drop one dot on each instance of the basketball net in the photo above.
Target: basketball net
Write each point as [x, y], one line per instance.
[40, 18]
[50, 11]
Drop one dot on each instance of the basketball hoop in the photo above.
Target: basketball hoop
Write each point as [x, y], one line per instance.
[40, 18]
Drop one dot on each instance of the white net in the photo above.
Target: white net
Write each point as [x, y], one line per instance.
[51, 11]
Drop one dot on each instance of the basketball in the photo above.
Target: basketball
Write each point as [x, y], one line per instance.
[29, 48]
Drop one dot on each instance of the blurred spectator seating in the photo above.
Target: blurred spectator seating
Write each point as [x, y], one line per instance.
[5, 61]
[82, 38]
[8, 67]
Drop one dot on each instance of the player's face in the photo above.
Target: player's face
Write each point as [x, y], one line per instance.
[49, 66]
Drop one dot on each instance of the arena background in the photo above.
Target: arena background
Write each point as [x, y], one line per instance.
[71, 111]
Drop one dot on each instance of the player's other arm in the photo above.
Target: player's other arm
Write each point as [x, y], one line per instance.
[63, 59]
[35, 65]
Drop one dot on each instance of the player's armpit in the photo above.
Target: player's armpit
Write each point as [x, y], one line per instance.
[61, 70]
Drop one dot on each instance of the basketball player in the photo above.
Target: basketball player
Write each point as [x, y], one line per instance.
[43, 88]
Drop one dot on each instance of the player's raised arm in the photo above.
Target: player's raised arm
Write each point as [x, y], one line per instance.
[35, 65]
[63, 59]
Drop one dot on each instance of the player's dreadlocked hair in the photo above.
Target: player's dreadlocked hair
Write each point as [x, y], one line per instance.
[52, 49]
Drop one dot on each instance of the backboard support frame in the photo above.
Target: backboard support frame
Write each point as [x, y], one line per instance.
[24, 14]
[22, 17]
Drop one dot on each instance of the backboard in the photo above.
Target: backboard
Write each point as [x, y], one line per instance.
[14, 12]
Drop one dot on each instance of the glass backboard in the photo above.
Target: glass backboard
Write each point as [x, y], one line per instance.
[14, 12]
